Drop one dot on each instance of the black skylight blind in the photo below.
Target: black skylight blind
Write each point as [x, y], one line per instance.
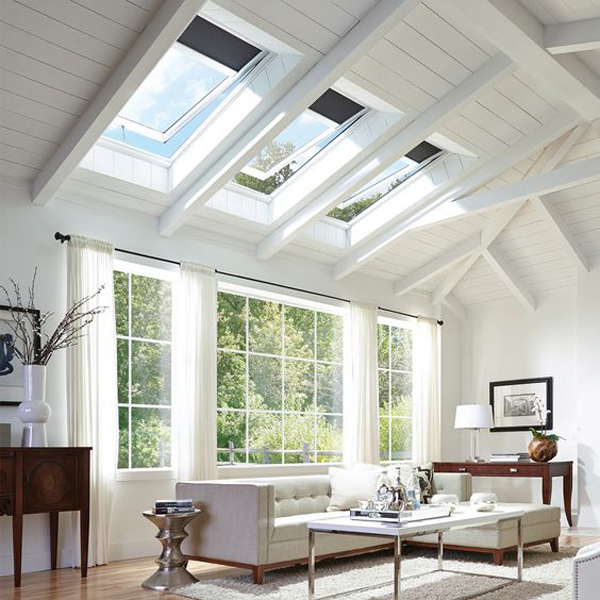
[336, 107]
[422, 152]
[216, 43]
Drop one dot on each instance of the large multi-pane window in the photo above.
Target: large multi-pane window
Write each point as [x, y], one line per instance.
[280, 382]
[395, 360]
[143, 320]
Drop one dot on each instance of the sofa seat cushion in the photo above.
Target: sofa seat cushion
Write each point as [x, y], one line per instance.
[540, 523]
[294, 527]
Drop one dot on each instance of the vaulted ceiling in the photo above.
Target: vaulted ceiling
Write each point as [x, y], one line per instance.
[508, 90]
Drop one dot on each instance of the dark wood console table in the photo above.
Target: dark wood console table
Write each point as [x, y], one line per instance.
[545, 471]
[45, 480]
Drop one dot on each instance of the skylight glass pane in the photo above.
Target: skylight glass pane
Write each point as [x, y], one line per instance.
[305, 137]
[180, 80]
[377, 188]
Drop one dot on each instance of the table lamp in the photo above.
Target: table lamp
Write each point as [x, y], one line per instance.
[473, 417]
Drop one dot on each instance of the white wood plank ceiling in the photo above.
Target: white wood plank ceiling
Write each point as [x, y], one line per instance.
[56, 57]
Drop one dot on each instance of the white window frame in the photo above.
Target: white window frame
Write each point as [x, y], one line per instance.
[300, 300]
[232, 78]
[143, 268]
[383, 319]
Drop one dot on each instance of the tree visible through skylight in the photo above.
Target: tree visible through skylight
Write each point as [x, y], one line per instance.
[381, 185]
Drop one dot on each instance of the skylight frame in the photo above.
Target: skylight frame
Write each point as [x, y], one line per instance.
[385, 197]
[339, 131]
[231, 80]
[262, 175]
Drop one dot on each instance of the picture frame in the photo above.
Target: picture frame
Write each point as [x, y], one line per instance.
[11, 369]
[512, 404]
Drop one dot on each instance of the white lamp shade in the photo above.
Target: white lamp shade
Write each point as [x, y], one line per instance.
[473, 416]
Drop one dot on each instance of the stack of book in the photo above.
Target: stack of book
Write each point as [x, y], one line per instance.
[509, 457]
[173, 507]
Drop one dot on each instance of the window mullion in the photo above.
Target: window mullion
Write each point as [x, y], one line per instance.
[129, 369]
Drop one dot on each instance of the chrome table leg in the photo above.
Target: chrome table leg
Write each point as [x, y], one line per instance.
[311, 564]
[440, 550]
[397, 564]
[519, 550]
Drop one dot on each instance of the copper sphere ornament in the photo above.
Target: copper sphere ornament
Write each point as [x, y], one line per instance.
[541, 449]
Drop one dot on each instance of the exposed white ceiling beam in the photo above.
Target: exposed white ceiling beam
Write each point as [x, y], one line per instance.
[505, 271]
[164, 28]
[552, 217]
[550, 157]
[367, 32]
[489, 233]
[472, 180]
[437, 265]
[575, 36]
[407, 137]
[577, 173]
[451, 302]
[515, 31]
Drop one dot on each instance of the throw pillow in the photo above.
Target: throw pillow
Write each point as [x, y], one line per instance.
[424, 475]
[349, 486]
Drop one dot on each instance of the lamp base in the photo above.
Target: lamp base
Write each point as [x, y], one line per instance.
[475, 460]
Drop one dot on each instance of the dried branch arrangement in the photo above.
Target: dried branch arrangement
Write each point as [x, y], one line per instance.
[30, 345]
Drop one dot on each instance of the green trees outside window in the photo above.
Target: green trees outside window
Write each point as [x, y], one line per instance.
[280, 382]
[143, 320]
[395, 392]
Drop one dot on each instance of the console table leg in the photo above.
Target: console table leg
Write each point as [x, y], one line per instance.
[397, 566]
[567, 491]
[546, 488]
[17, 545]
[53, 539]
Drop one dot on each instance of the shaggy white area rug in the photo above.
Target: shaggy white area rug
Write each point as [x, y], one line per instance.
[546, 576]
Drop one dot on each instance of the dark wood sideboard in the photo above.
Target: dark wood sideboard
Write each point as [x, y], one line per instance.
[45, 480]
[544, 471]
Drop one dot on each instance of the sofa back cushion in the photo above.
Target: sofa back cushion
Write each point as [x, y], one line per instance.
[301, 495]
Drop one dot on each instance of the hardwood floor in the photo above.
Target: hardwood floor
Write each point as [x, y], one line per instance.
[121, 580]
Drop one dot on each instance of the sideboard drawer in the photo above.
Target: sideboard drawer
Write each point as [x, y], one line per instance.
[7, 475]
[493, 470]
[51, 483]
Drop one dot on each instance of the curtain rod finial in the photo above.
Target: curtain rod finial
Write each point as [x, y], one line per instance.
[58, 236]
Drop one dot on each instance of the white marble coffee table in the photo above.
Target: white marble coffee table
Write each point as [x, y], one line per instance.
[462, 518]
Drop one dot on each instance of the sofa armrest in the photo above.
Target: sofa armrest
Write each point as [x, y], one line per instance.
[236, 520]
[454, 483]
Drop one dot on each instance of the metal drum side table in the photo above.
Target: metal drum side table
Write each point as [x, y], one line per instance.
[172, 562]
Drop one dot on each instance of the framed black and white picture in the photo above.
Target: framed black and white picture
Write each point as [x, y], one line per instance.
[11, 369]
[514, 404]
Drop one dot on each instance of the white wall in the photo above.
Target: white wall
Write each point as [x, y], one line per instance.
[560, 339]
[26, 241]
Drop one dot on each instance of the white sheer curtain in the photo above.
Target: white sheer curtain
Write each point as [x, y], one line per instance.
[361, 412]
[92, 386]
[195, 380]
[427, 402]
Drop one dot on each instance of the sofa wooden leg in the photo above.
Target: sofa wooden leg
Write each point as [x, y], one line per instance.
[498, 557]
[258, 573]
[554, 545]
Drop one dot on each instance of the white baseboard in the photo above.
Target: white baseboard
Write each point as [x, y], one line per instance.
[134, 549]
[35, 561]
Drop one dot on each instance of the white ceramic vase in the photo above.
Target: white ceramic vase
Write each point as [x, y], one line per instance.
[33, 411]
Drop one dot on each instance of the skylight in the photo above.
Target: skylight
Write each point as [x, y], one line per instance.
[299, 142]
[385, 182]
[187, 85]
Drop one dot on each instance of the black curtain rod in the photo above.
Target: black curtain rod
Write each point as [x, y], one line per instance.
[65, 238]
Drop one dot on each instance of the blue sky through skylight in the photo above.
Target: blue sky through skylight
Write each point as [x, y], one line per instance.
[182, 79]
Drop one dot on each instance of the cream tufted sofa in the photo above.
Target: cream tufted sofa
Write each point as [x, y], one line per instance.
[261, 523]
